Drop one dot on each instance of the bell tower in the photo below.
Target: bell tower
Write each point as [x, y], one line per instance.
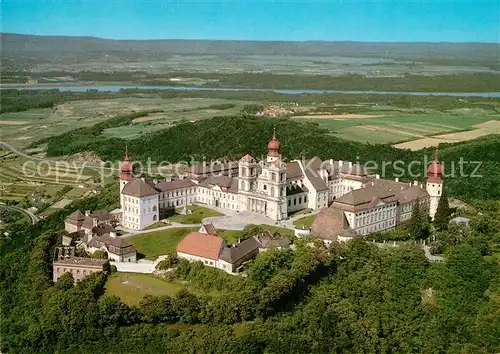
[273, 148]
[126, 170]
[247, 173]
[434, 184]
[275, 180]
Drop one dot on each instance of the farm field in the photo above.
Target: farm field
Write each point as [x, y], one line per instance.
[479, 130]
[397, 128]
[20, 177]
[23, 128]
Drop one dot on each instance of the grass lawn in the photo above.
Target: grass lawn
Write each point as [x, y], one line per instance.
[131, 287]
[198, 214]
[283, 231]
[231, 236]
[299, 212]
[306, 221]
[156, 243]
[157, 225]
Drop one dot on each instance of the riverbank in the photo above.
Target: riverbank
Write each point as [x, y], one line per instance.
[111, 87]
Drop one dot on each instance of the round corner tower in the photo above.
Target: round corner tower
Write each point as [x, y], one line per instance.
[434, 184]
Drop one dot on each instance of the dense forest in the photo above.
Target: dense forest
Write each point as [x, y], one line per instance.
[232, 137]
[351, 82]
[354, 298]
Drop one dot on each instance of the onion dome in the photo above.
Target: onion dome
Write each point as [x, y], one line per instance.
[435, 170]
[126, 169]
[273, 147]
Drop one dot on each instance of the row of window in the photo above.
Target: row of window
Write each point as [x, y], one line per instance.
[136, 210]
[367, 220]
[377, 227]
[179, 193]
[74, 271]
[129, 218]
[295, 201]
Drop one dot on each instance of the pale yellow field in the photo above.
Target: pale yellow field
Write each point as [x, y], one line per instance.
[486, 128]
[148, 118]
[12, 122]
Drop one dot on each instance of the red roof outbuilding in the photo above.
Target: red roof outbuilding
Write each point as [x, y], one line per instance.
[201, 245]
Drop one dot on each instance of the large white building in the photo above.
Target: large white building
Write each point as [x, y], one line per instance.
[378, 205]
[271, 187]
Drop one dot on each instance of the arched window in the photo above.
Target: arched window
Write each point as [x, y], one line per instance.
[154, 208]
[272, 191]
[154, 217]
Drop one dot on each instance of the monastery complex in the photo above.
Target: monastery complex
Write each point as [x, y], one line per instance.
[352, 201]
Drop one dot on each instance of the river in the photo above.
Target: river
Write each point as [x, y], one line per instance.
[283, 91]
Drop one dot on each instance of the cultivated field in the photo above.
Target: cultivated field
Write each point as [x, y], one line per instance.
[479, 130]
[276, 64]
[41, 183]
[22, 128]
[402, 128]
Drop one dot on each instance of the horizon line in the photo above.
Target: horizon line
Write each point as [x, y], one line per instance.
[247, 40]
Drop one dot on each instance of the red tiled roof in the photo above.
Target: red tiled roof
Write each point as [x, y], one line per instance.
[201, 245]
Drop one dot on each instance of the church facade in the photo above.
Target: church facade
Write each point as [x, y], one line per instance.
[271, 187]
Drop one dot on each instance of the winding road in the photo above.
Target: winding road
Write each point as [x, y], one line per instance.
[33, 218]
[5, 145]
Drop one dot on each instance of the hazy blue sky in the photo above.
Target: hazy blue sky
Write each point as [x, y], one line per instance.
[403, 20]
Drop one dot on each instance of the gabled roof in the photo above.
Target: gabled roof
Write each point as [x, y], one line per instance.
[212, 167]
[311, 168]
[209, 229]
[102, 229]
[293, 170]
[165, 186]
[138, 188]
[329, 223]
[201, 245]
[296, 189]
[76, 216]
[248, 158]
[268, 240]
[101, 215]
[382, 190]
[115, 245]
[221, 181]
[236, 252]
[234, 186]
